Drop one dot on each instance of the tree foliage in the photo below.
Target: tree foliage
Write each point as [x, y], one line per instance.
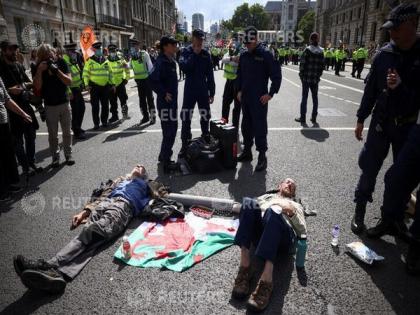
[307, 24]
[246, 15]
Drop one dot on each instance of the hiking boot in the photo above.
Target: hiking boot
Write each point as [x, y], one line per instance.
[21, 264]
[383, 227]
[50, 280]
[262, 163]
[357, 223]
[413, 258]
[69, 161]
[113, 119]
[241, 288]
[15, 188]
[245, 156]
[259, 299]
[170, 166]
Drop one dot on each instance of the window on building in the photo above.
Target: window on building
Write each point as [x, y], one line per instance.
[108, 8]
[356, 35]
[351, 15]
[291, 12]
[114, 8]
[378, 4]
[19, 28]
[373, 32]
[359, 13]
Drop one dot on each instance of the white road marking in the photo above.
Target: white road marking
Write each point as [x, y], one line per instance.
[332, 82]
[291, 82]
[113, 132]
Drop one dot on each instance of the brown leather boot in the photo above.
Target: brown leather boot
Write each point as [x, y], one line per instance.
[260, 298]
[241, 287]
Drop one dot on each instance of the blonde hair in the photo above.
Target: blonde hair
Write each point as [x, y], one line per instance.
[43, 52]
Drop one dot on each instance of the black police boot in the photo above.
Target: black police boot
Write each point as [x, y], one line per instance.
[384, 226]
[413, 258]
[170, 166]
[313, 119]
[245, 156]
[301, 120]
[262, 163]
[357, 223]
[144, 120]
[183, 152]
[152, 119]
[113, 119]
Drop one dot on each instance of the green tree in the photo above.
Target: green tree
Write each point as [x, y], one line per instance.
[246, 15]
[307, 24]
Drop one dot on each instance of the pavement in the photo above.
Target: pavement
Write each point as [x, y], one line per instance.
[323, 161]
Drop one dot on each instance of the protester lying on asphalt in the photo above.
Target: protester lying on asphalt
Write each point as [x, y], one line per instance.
[107, 215]
[271, 222]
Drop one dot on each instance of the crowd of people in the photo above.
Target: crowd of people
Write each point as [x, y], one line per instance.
[248, 65]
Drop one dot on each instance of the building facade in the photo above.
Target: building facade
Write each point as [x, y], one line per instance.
[354, 22]
[197, 21]
[291, 13]
[152, 19]
[273, 10]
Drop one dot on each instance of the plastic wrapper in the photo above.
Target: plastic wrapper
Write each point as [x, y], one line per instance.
[362, 252]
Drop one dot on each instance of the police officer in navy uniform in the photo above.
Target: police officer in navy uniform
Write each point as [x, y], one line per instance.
[256, 66]
[164, 82]
[199, 88]
[394, 108]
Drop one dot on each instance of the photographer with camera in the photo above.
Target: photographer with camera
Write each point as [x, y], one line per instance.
[51, 81]
[19, 87]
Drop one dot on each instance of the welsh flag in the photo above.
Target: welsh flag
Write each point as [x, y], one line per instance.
[178, 244]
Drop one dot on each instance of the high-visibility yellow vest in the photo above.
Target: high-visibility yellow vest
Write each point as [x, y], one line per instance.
[362, 53]
[230, 72]
[354, 55]
[119, 71]
[139, 68]
[76, 78]
[97, 73]
[340, 54]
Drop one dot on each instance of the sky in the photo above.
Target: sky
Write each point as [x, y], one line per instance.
[213, 10]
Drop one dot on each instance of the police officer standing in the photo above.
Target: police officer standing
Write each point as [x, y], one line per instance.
[199, 88]
[142, 65]
[256, 66]
[231, 60]
[340, 56]
[97, 77]
[362, 55]
[164, 82]
[120, 76]
[77, 101]
[392, 118]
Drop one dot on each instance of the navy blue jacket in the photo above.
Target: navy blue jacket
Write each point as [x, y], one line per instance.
[254, 70]
[405, 99]
[199, 72]
[163, 78]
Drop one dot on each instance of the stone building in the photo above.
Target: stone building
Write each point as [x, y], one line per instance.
[291, 13]
[273, 10]
[355, 22]
[152, 19]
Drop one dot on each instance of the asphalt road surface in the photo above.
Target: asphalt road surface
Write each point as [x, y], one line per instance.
[323, 161]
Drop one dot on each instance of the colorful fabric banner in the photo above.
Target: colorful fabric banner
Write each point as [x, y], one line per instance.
[178, 244]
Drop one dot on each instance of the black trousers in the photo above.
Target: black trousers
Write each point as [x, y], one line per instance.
[100, 94]
[8, 167]
[338, 66]
[77, 110]
[360, 65]
[24, 140]
[120, 94]
[147, 103]
[229, 96]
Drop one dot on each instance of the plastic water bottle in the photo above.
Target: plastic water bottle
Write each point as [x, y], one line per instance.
[126, 248]
[301, 248]
[335, 235]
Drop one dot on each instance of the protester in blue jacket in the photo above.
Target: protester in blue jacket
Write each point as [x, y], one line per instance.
[256, 66]
[164, 82]
[200, 88]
